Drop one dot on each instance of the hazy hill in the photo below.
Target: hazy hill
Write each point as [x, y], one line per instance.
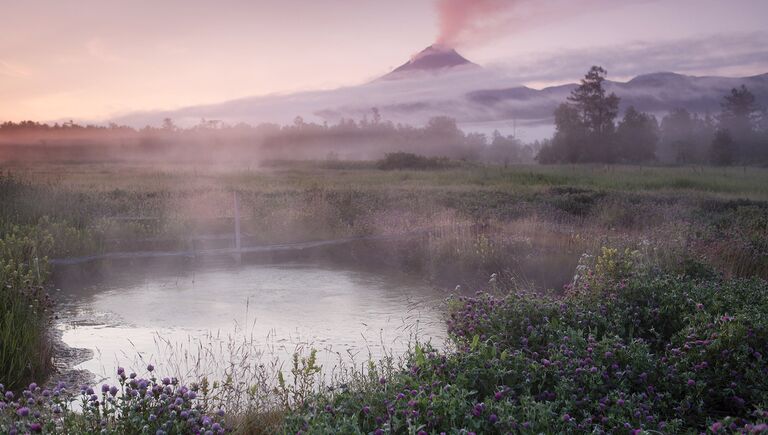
[439, 81]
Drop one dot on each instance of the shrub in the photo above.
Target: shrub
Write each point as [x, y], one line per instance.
[628, 348]
[401, 160]
[574, 201]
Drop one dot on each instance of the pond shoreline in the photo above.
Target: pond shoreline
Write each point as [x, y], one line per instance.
[65, 359]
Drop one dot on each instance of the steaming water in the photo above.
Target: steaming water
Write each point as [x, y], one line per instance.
[171, 314]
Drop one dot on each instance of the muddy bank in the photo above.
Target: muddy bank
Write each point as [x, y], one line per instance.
[65, 359]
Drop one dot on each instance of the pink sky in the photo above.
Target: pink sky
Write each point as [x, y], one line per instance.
[93, 59]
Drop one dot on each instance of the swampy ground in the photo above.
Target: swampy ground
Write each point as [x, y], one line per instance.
[597, 282]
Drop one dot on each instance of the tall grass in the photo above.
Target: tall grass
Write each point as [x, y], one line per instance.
[24, 307]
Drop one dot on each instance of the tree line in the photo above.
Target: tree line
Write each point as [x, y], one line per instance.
[587, 131]
[368, 138]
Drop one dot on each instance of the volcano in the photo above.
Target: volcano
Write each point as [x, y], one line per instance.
[433, 59]
[438, 81]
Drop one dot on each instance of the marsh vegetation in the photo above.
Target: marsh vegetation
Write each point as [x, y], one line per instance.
[613, 298]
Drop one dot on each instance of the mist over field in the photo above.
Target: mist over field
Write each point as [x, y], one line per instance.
[403, 217]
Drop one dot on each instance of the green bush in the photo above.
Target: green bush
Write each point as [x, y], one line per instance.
[574, 201]
[628, 348]
[401, 160]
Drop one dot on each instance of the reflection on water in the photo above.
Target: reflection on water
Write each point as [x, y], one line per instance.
[173, 314]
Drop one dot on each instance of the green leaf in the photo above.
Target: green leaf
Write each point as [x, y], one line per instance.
[419, 355]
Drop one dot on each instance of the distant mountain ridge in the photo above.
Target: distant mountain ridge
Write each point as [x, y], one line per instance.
[438, 81]
[655, 92]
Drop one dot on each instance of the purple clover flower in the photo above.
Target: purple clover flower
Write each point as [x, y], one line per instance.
[478, 409]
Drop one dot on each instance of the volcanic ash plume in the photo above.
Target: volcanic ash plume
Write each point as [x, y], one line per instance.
[464, 20]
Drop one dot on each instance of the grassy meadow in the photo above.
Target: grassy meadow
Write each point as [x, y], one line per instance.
[660, 328]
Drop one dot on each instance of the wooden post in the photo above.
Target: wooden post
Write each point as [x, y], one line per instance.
[237, 226]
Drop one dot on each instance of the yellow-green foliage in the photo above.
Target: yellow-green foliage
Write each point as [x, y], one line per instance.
[616, 265]
[303, 374]
[23, 256]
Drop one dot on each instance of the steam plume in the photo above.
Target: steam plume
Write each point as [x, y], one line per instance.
[463, 22]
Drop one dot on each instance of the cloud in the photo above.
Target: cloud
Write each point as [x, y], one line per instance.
[734, 55]
[411, 100]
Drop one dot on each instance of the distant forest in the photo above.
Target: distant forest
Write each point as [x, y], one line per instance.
[587, 130]
[215, 141]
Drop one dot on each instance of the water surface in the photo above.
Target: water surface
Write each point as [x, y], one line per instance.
[174, 314]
